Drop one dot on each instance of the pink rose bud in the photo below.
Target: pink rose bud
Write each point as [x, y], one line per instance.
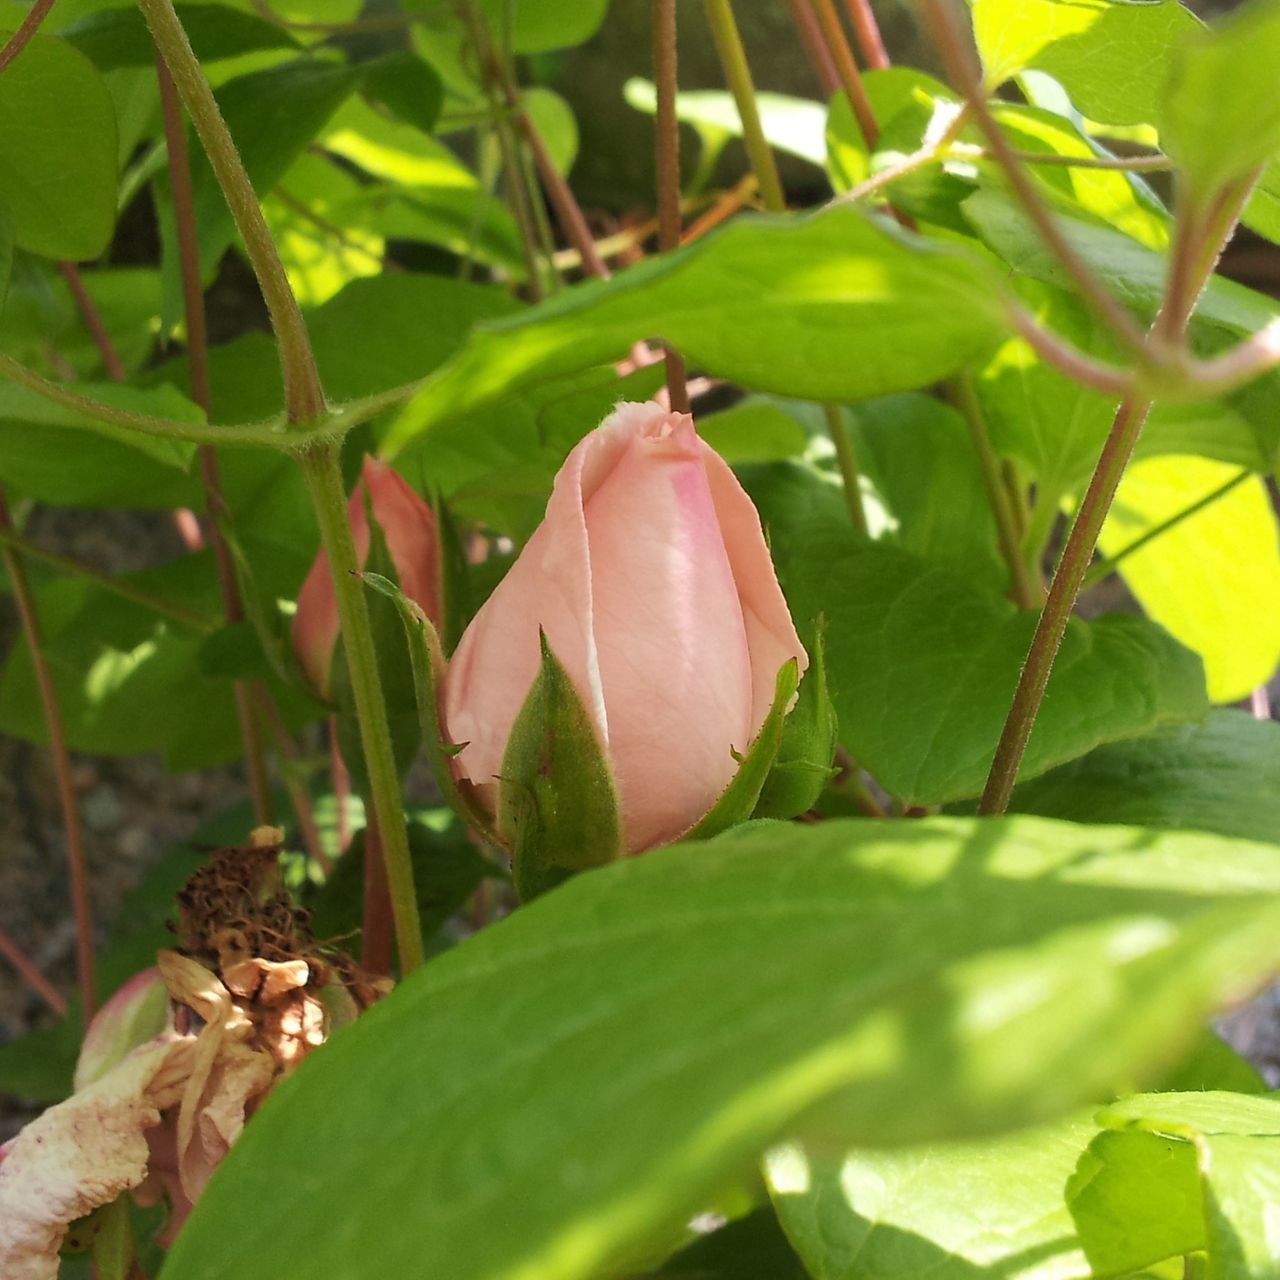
[138, 1012]
[651, 579]
[409, 527]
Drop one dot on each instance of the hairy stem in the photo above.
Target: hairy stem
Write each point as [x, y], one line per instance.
[667, 148]
[733, 60]
[324, 482]
[77, 864]
[962, 395]
[304, 396]
[184, 211]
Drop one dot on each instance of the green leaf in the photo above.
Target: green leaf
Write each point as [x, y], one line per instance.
[272, 115]
[57, 151]
[738, 801]
[650, 1027]
[922, 663]
[802, 766]
[754, 430]
[548, 24]
[986, 1207]
[6, 253]
[406, 86]
[1214, 776]
[747, 304]
[555, 122]
[1182, 1172]
[1233, 67]
[1112, 58]
[114, 38]
[752, 1247]
[1202, 580]
[794, 125]
[558, 807]
[60, 455]
[447, 869]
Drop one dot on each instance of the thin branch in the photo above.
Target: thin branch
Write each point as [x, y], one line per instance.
[963, 396]
[1134, 164]
[1097, 375]
[31, 975]
[965, 76]
[110, 357]
[725, 207]
[1250, 359]
[815, 46]
[866, 31]
[26, 29]
[180, 614]
[184, 212]
[667, 149]
[847, 461]
[850, 76]
[77, 863]
[304, 395]
[1106, 567]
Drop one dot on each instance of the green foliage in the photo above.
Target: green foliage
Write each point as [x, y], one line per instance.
[651, 1025]
[57, 152]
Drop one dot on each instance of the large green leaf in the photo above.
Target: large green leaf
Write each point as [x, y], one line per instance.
[1178, 1173]
[1215, 776]
[1112, 58]
[1212, 580]
[922, 663]
[553, 1093]
[832, 306]
[1233, 67]
[57, 151]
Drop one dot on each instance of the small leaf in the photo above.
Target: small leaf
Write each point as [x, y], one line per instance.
[558, 808]
[57, 151]
[738, 801]
[1232, 66]
[406, 86]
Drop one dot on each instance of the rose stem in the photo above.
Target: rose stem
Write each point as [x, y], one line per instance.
[846, 460]
[820, 59]
[667, 147]
[305, 403]
[850, 76]
[866, 31]
[26, 29]
[184, 212]
[81, 905]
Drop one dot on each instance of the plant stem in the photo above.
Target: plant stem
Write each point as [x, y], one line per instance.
[961, 392]
[304, 396]
[26, 29]
[820, 59]
[866, 31]
[733, 59]
[36, 980]
[1088, 372]
[324, 482]
[850, 76]
[77, 864]
[1106, 567]
[184, 212]
[667, 150]
[967, 79]
[111, 361]
[378, 913]
[838, 429]
[9, 537]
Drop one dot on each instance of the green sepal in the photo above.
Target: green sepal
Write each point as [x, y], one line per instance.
[395, 672]
[803, 764]
[455, 579]
[738, 800]
[558, 809]
[426, 660]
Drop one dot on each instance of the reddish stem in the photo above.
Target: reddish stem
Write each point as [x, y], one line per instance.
[26, 29]
[847, 67]
[31, 975]
[93, 322]
[815, 46]
[77, 864]
[866, 31]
